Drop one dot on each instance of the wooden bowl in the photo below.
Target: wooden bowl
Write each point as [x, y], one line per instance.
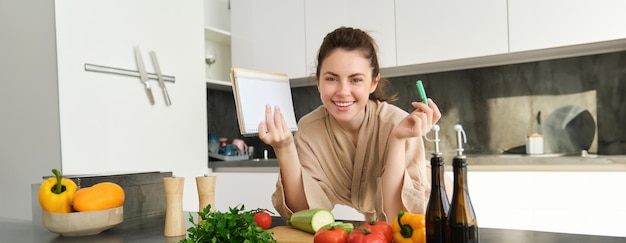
[83, 223]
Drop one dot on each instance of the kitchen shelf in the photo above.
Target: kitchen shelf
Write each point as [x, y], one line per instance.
[217, 35]
[219, 41]
[219, 85]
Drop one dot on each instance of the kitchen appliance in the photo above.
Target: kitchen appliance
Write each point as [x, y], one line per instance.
[568, 129]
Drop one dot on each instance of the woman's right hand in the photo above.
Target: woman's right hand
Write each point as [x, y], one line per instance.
[419, 122]
[274, 130]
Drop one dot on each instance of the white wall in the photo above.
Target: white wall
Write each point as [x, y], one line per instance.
[29, 148]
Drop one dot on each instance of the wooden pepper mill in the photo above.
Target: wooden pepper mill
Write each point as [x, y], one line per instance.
[174, 222]
[206, 192]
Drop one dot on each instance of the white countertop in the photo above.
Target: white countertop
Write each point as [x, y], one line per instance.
[596, 163]
[548, 162]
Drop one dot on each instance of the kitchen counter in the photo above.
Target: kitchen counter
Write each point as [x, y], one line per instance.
[150, 229]
[548, 162]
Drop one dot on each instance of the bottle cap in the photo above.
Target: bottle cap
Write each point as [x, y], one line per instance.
[436, 140]
[460, 140]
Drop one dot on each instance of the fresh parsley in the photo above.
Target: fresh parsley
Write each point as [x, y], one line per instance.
[236, 225]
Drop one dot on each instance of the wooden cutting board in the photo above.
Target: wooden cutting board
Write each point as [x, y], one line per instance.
[288, 234]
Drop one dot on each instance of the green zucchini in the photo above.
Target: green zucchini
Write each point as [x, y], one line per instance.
[348, 227]
[311, 220]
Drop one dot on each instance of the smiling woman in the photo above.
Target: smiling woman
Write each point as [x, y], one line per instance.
[342, 148]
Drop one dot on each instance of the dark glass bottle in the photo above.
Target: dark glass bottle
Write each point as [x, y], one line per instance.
[462, 223]
[438, 204]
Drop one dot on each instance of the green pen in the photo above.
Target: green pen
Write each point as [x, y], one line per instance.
[420, 89]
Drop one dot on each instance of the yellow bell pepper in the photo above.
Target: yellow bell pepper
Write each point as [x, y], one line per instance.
[409, 228]
[56, 193]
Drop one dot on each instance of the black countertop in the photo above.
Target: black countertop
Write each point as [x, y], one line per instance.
[150, 229]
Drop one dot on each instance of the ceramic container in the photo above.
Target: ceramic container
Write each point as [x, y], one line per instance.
[83, 223]
[534, 144]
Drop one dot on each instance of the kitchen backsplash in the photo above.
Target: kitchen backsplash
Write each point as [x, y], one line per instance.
[497, 106]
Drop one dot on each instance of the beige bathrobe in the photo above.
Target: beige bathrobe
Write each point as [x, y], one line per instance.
[334, 171]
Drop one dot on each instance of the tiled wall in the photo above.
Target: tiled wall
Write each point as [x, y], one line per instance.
[497, 106]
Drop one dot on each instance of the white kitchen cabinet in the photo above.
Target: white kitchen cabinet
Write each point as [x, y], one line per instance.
[217, 14]
[268, 36]
[256, 192]
[550, 201]
[58, 115]
[541, 24]
[253, 190]
[375, 17]
[435, 31]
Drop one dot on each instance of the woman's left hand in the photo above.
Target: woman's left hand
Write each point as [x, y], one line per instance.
[419, 122]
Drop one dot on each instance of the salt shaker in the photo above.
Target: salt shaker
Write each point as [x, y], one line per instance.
[174, 222]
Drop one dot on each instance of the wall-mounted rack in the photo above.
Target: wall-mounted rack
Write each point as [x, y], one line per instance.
[126, 72]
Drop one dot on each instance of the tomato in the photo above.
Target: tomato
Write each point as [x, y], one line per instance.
[263, 220]
[380, 227]
[362, 235]
[331, 235]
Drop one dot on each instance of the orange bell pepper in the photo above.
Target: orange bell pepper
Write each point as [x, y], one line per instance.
[409, 228]
[104, 195]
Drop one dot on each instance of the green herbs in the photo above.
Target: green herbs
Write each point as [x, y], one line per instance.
[237, 225]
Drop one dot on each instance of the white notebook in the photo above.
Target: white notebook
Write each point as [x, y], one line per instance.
[253, 90]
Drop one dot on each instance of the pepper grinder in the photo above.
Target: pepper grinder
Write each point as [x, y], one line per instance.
[174, 223]
[206, 191]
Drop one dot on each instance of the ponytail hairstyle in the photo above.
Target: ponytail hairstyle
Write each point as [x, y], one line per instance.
[351, 39]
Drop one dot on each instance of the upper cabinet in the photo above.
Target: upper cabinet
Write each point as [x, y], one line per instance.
[106, 120]
[372, 16]
[433, 31]
[418, 36]
[268, 36]
[540, 24]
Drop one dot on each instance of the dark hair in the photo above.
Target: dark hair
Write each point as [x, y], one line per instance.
[351, 39]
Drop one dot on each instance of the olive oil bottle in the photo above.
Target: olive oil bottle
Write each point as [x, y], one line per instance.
[462, 223]
[438, 204]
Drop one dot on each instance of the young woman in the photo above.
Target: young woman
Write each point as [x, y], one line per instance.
[355, 149]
